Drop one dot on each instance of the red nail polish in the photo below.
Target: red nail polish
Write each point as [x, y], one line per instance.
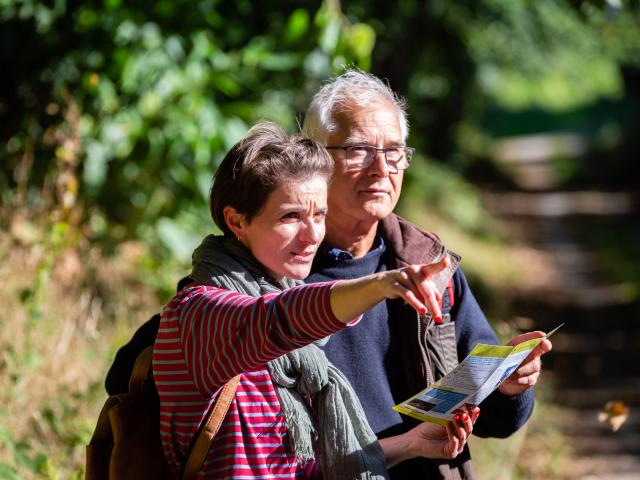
[423, 310]
[438, 319]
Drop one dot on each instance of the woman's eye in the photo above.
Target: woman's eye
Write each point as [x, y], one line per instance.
[290, 215]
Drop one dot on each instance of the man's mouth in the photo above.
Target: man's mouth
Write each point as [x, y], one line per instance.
[375, 191]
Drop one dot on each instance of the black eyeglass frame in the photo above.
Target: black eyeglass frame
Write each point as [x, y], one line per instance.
[408, 154]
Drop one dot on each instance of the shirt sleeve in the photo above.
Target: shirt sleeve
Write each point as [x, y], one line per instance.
[500, 415]
[224, 333]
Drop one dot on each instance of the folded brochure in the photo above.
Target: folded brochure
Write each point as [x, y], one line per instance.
[473, 380]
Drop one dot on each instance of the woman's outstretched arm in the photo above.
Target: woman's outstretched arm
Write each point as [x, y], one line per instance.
[350, 298]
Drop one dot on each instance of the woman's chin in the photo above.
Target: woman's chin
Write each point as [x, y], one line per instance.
[298, 271]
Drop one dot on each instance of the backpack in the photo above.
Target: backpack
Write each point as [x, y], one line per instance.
[126, 441]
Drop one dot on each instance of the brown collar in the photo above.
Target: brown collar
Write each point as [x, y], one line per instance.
[411, 245]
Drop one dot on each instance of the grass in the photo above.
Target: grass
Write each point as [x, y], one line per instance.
[66, 309]
[538, 450]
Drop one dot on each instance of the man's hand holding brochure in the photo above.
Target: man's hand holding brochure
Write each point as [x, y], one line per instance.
[480, 373]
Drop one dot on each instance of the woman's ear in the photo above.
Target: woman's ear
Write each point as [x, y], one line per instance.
[234, 220]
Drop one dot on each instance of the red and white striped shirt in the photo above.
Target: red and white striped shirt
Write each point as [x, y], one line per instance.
[207, 336]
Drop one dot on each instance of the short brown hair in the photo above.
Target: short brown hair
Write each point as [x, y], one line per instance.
[255, 166]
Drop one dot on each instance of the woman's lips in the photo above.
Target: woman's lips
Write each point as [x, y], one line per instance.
[304, 255]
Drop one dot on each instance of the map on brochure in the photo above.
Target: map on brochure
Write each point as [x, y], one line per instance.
[473, 380]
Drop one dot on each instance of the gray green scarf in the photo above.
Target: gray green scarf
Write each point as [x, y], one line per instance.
[345, 445]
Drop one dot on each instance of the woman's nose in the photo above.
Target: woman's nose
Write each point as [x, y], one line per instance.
[311, 232]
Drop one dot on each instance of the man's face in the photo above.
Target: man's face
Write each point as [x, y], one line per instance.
[372, 193]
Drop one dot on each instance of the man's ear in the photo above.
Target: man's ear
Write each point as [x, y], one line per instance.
[234, 220]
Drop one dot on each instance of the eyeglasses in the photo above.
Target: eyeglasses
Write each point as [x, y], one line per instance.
[359, 157]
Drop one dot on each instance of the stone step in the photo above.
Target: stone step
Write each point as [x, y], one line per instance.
[584, 371]
[559, 205]
[596, 355]
[587, 359]
[599, 319]
[573, 392]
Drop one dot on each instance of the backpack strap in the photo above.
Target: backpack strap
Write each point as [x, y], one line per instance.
[196, 455]
[210, 429]
[142, 369]
[199, 449]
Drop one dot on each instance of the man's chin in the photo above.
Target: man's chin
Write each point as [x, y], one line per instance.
[377, 210]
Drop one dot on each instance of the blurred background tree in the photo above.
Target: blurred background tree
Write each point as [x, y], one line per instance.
[476, 71]
[122, 110]
[114, 116]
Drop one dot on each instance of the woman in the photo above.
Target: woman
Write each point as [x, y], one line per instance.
[293, 413]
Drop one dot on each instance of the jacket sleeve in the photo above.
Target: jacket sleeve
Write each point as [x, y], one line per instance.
[500, 415]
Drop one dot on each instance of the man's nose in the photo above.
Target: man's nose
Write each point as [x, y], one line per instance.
[379, 166]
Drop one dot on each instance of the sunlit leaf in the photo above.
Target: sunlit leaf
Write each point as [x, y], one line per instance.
[614, 414]
[330, 36]
[298, 25]
[361, 39]
[279, 61]
[180, 241]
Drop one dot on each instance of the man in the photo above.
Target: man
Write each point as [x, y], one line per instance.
[395, 353]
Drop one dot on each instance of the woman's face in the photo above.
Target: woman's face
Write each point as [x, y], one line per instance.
[284, 237]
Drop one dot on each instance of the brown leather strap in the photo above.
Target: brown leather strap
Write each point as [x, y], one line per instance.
[210, 429]
[142, 369]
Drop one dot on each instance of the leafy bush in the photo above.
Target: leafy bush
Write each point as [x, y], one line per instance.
[128, 109]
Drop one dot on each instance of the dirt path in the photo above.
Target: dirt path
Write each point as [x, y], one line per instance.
[596, 355]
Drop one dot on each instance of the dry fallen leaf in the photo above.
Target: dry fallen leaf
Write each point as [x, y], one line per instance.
[614, 414]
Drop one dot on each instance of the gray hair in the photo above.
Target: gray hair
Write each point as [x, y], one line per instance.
[352, 89]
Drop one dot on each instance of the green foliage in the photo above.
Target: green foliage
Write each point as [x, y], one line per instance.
[551, 55]
[134, 108]
[618, 254]
[123, 110]
[454, 60]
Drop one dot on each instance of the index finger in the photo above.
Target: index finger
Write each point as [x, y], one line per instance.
[433, 268]
[523, 337]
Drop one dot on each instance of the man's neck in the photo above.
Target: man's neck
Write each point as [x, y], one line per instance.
[354, 236]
